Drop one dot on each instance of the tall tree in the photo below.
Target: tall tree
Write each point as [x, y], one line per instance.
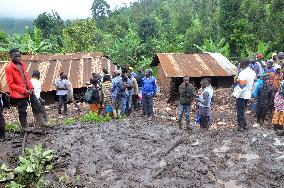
[100, 10]
[50, 24]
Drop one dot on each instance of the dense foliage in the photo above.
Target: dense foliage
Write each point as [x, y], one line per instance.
[132, 35]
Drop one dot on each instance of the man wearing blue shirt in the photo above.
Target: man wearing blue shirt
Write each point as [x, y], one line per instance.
[149, 90]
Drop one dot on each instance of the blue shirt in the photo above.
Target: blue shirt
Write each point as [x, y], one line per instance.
[266, 70]
[133, 74]
[255, 67]
[115, 86]
[149, 86]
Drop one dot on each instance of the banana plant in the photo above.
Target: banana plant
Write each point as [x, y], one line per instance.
[213, 47]
[28, 43]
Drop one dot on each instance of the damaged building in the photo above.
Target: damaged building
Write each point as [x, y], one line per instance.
[78, 67]
[172, 67]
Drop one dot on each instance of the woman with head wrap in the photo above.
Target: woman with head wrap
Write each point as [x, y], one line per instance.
[278, 116]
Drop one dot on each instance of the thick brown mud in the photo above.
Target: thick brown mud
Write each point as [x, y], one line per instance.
[137, 152]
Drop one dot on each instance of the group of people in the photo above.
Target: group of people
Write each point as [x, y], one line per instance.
[259, 80]
[117, 95]
[262, 81]
[125, 92]
[122, 93]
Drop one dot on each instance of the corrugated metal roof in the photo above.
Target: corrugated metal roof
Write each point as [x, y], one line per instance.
[194, 65]
[78, 68]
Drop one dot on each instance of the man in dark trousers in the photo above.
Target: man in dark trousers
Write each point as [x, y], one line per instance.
[2, 120]
[186, 91]
[20, 88]
[263, 101]
[149, 90]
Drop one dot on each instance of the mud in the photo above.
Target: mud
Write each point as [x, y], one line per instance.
[136, 152]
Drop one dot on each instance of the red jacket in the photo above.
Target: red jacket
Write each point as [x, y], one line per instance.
[15, 82]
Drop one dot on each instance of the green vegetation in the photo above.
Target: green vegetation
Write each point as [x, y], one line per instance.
[31, 169]
[69, 121]
[94, 118]
[132, 35]
[12, 127]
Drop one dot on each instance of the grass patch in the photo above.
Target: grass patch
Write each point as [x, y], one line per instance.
[69, 121]
[12, 127]
[94, 118]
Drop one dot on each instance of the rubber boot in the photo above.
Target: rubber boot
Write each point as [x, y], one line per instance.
[188, 124]
[2, 133]
[114, 113]
[261, 122]
[40, 120]
[24, 125]
[245, 124]
[44, 114]
[118, 113]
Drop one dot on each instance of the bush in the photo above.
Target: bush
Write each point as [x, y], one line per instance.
[12, 127]
[69, 121]
[30, 170]
[95, 118]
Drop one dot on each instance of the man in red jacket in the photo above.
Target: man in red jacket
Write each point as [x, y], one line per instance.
[20, 88]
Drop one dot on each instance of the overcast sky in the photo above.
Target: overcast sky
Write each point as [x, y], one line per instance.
[67, 9]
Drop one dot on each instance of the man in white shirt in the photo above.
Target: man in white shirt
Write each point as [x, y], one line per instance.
[42, 117]
[245, 82]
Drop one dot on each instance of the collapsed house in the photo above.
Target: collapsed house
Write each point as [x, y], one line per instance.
[78, 67]
[172, 67]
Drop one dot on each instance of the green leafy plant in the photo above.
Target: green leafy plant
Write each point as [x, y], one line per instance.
[11, 127]
[210, 46]
[94, 117]
[69, 121]
[30, 170]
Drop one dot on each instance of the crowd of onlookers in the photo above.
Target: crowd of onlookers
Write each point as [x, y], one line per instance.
[115, 95]
[263, 81]
[124, 92]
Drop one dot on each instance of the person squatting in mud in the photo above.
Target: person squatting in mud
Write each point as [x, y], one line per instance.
[204, 105]
[186, 91]
[21, 90]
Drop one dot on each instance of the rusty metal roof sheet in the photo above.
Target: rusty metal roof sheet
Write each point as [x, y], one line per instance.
[77, 67]
[194, 65]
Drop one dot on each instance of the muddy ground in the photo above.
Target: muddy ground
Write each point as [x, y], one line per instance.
[136, 152]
